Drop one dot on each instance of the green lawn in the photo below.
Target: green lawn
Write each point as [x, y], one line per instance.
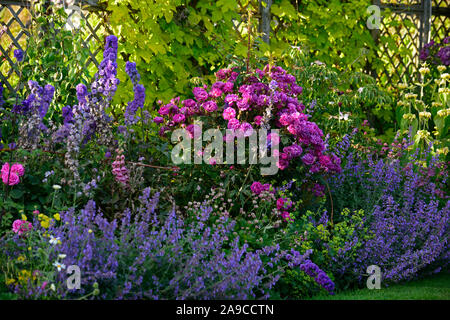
[433, 288]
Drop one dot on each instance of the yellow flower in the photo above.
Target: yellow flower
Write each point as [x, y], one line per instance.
[402, 85]
[443, 151]
[10, 281]
[441, 68]
[24, 276]
[21, 258]
[45, 220]
[425, 114]
[410, 96]
[24, 217]
[445, 76]
[57, 216]
[45, 224]
[424, 70]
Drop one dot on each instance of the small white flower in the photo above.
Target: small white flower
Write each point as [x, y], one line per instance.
[59, 266]
[61, 256]
[343, 116]
[54, 240]
[360, 90]
[52, 287]
[56, 186]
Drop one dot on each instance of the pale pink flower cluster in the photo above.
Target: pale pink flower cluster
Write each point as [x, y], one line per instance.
[21, 226]
[120, 171]
[11, 176]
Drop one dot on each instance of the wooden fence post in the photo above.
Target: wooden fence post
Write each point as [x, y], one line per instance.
[264, 25]
[425, 23]
[376, 38]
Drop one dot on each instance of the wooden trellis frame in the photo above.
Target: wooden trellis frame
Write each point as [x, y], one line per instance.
[17, 8]
[432, 21]
[430, 17]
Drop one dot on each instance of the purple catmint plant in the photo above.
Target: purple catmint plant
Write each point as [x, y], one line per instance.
[143, 255]
[406, 210]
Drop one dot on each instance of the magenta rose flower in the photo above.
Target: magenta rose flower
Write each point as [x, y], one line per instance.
[179, 118]
[200, 94]
[229, 113]
[210, 106]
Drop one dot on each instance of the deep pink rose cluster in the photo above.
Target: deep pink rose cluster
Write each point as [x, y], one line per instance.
[257, 187]
[11, 175]
[269, 98]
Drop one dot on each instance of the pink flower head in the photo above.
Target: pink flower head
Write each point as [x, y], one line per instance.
[215, 92]
[158, 120]
[5, 168]
[179, 118]
[200, 94]
[164, 110]
[229, 113]
[21, 226]
[286, 216]
[283, 203]
[258, 120]
[10, 179]
[210, 106]
[282, 164]
[222, 74]
[231, 98]
[228, 87]
[246, 129]
[233, 124]
[257, 187]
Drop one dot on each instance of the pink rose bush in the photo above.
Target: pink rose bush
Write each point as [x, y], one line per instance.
[267, 98]
[11, 175]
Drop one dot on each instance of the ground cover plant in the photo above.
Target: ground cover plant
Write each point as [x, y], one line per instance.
[267, 177]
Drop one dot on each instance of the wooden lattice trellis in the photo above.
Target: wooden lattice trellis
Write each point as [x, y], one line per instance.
[411, 24]
[15, 19]
[425, 20]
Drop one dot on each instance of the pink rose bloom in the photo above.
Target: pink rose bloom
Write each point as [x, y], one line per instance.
[258, 120]
[286, 216]
[282, 164]
[246, 129]
[210, 106]
[233, 124]
[212, 161]
[215, 92]
[229, 113]
[179, 118]
[5, 168]
[189, 103]
[243, 104]
[158, 120]
[200, 94]
[231, 98]
[285, 119]
[256, 187]
[164, 110]
[20, 226]
[18, 168]
[228, 87]
[12, 180]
